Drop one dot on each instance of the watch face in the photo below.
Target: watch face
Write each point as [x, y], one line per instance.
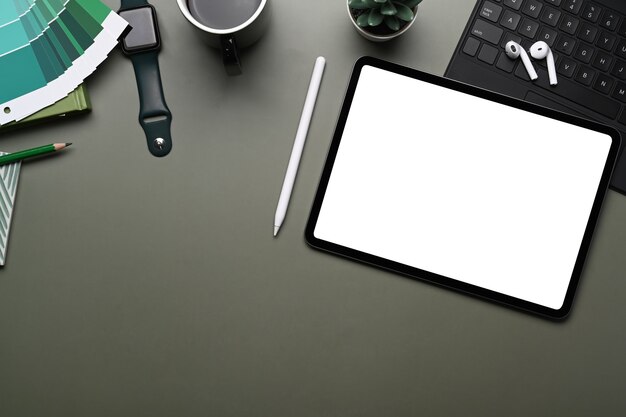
[144, 33]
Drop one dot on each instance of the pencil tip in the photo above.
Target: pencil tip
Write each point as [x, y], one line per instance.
[68, 143]
[276, 229]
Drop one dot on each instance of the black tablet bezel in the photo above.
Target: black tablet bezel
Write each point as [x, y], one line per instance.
[439, 279]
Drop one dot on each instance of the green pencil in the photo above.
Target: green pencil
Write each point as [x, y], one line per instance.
[29, 153]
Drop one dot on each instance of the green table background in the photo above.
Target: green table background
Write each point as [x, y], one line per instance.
[138, 286]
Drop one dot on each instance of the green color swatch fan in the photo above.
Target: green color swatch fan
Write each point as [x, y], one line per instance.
[48, 47]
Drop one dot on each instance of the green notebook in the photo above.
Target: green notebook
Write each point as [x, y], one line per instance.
[76, 102]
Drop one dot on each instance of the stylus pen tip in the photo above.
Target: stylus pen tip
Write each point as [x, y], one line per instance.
[276, 229]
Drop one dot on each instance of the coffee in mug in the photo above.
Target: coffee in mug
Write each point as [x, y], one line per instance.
[223, 14]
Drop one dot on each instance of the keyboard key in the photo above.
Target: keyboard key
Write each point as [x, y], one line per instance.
[622, 28]
[621, 49]
[619, 70]
[585, 75]
[488, 54]
[528, 28]
[520, 72]
[602, 61]
[532, 8]
[622, 117]
[569, 24]
[510, 37]
[620, 92]
[572, 6]
[526, 44]
[609, 20]
[491, 11]
[588, 33]
[471, 46]
[584, 53]
[591, 12]
[565, 45]
[566, 67]
[603, 84]
[579, 94]
[487, 31]
[550, 16]
[510, 20]
[514, 4]
[606, 41]
[547, 35]
[505, 63]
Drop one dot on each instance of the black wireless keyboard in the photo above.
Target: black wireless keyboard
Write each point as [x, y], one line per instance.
[588, 40]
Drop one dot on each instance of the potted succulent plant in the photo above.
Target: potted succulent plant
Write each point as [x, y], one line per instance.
[382, 20]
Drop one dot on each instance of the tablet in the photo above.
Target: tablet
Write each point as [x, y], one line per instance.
[462, 187]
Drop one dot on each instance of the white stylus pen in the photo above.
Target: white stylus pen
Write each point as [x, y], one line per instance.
[298, 143]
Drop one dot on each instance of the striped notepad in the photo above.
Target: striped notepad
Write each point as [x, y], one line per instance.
[9, 174]
[48, 47]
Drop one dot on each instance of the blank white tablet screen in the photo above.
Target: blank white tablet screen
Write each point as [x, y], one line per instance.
[462, 187]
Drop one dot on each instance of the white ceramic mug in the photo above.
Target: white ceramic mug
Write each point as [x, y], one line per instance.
[237, 33]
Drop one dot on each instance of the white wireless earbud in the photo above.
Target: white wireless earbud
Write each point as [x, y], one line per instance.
[541, 50]
[513, 50]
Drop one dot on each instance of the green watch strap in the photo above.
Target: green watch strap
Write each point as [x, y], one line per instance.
[154, 116]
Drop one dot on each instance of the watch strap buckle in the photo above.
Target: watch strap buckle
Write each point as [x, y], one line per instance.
[157, 128]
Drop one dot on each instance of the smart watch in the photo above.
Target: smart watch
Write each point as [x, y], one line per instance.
[142, 44]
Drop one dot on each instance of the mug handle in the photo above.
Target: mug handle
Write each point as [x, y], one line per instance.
[230, 55]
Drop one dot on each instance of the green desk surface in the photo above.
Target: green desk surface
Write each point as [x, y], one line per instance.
[138, 286]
